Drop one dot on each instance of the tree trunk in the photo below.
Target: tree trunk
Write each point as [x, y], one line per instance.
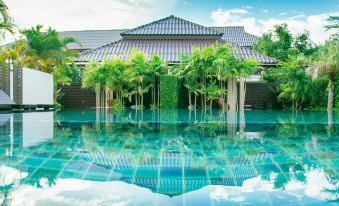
[330, 89]
[235, 92]
[107, 97]
[195, 101]
[231, 112]
[242, 107]
[189, 100]
[158, 93]
[97, 95]
[242, 94]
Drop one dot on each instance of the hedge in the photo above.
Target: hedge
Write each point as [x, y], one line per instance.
[169, 91]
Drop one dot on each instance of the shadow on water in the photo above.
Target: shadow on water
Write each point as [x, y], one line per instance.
[171, 152]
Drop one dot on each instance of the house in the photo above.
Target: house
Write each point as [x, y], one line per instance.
[169, 38]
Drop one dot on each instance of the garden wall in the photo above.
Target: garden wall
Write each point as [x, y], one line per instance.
[37, 87]
[258, 95]
[76, 97]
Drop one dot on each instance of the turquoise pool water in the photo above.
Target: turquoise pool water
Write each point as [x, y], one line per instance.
[174, 157]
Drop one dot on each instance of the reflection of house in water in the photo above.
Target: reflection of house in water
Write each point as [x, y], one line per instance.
[148, 161]
[166, 172]
[171, 174]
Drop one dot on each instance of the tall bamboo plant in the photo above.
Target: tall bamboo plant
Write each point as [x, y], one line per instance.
[225, 64]
[155, 70]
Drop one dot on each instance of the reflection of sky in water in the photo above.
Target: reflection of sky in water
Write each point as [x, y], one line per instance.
[180, 158]
[84, 192]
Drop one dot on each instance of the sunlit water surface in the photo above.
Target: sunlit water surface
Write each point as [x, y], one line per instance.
[172, 157]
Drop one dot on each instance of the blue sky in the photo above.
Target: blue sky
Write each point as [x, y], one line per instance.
[262, 9]
[257, 16]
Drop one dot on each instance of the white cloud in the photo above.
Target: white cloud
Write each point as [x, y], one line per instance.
[186, 3]
[297, 23]
[233, 17]
[264, 10]
[87, 14]
[297, 16]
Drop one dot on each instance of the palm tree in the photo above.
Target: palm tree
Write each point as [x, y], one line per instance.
[156, 66]
[326, 62]
[96, 77]
[91, 81]
[334, 22]
[225, 63]
[45, 51]
[137, 75]
[6, 24]
[213, 92]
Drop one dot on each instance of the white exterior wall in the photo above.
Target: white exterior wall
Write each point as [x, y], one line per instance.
[37, 87]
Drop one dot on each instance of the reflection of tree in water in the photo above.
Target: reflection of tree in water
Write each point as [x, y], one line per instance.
[280, 153]
[302, 145]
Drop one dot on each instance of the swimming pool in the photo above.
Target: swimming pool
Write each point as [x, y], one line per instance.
[171, 157]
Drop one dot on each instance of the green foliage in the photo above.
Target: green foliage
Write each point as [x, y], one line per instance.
[46, 52]
[295, 90]
[10, 53]
[336, 93]
[333, 22]
[281, 44]
[169, 91]
[205, 72]
[318, 94]
[325, 60]
[295, 84]
[132, 77]
[109, 75]
[6, 23]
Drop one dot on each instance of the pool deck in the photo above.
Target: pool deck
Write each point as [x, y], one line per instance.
[7, 104]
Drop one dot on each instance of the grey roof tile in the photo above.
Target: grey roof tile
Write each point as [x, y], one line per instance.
[237, 35]
[172, 26]
[90, 39]
[168, 50]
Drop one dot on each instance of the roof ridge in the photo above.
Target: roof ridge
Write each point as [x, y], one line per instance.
[225, 26]
[91, 30]
[170, 17]
[143, 26]
[197, 24]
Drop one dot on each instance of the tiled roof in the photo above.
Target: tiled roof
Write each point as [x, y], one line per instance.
[91, 39]
[168, 50]
[172, 26]
[237, 35]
